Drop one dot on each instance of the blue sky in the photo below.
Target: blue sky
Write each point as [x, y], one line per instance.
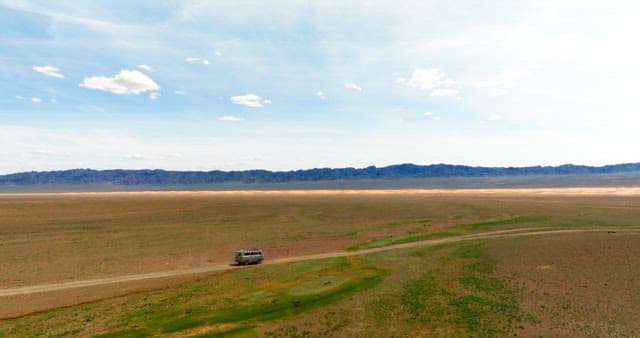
[290, 84]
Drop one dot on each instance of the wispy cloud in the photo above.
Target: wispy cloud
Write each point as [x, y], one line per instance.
[18, 97]
[502, 83]
[353, 86]
[146, 68]
[494, 117]
[125, 82]
[154, 96]
[230, 118]
[36, 100]
[321, 95]
[250, 100]
[196, 60]
[431, 115]
[49, 71]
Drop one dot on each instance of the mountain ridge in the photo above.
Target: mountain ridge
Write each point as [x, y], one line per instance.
[132, 177]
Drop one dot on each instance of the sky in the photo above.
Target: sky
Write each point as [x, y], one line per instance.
[280, 85]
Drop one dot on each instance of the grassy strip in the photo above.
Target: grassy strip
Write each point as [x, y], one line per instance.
[509, 221]
[399, 240]
[281, 305]
[390, 225]
[243, 331]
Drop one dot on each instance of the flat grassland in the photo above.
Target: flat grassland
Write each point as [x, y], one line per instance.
[482, 288]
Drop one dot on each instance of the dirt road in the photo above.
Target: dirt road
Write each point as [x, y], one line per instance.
[33, 289]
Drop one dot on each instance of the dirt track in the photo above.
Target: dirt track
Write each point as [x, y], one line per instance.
[43, 288]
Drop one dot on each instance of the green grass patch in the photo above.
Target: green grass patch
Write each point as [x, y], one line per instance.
[129, 333]
[457, 295]
[285, 305]
[508, 221]
[400, 240]
[483, 316]
[238, 332]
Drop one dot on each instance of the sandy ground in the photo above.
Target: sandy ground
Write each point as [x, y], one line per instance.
[35, 298]
[577, 191]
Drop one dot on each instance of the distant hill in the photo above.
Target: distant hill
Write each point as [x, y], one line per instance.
[315, 177]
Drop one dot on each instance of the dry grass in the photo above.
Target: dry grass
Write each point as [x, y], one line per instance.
[58, 237]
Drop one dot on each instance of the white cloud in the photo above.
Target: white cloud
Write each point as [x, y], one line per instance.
[53, 100]
[431, 115]
[154, 95]
[229, 118]
[196, 60]
[146, 68]
[321, 95]
[36, 100]
[218, 53]
[49, 71]
[126, 82]
[426, 79]
[18, 97]
[444, 92]
[179, 92]
[494, 117]
[353, 86]
[250, 100]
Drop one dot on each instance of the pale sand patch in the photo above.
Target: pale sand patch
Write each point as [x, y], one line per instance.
[576, 191]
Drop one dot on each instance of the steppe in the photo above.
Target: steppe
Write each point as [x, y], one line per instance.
[334, 274]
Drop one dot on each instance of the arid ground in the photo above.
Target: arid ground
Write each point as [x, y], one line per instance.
[571, 284]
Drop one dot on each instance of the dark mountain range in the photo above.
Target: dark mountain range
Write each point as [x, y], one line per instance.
[393, 172]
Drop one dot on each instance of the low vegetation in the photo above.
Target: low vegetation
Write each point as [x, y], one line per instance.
[400, 240]
[455, 293]
[230, 303]
[518, 220]
[445, 290]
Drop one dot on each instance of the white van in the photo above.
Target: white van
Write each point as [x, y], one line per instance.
[249, 256]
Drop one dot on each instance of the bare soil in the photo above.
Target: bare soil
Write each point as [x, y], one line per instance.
[575, 285]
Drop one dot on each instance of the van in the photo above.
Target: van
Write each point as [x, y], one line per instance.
[249, 256]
